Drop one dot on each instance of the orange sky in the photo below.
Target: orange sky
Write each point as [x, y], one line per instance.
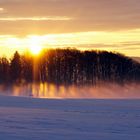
[112, 25]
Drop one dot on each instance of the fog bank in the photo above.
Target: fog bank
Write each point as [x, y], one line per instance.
[44, 90]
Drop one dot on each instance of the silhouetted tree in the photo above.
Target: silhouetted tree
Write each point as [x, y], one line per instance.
[15, 67]
[71, 67]
[4, 70]
[26, 68]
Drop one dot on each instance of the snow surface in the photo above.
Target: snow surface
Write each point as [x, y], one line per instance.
[66, 119]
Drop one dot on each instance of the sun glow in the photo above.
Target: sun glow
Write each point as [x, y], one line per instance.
[126, 42]
[35, 49]
[35, 46]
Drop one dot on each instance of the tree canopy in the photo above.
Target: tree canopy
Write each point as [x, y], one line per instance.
[70, 67]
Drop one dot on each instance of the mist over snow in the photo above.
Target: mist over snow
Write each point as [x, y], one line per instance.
[44, 90]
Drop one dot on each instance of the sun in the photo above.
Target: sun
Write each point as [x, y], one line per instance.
[35, 49]
[35, 45]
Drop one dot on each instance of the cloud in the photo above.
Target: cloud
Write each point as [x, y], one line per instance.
[2, 10]
[88, 15]
[116, 22]
[34, 18]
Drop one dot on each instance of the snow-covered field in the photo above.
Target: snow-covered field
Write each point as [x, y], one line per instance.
[78, 119]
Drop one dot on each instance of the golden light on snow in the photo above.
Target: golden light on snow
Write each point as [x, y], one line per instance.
[45, 90]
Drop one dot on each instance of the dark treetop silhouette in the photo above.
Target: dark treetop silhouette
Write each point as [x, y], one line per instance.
[69, 67]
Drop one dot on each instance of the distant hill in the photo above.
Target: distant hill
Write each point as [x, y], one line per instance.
[136, 59]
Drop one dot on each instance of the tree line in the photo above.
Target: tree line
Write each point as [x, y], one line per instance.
[69, 67]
